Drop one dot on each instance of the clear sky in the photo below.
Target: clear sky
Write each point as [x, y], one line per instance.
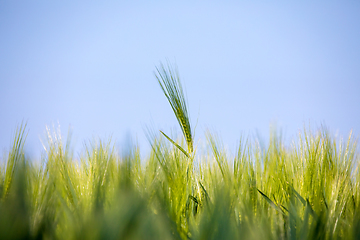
[89, 66]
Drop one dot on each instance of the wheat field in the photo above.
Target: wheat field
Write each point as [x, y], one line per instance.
[309, 189]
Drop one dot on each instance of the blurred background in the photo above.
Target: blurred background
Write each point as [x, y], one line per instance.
[246, 66]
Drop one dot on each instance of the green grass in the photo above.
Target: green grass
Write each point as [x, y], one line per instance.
[307, 190]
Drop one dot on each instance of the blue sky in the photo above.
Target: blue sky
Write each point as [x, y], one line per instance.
[245, 65]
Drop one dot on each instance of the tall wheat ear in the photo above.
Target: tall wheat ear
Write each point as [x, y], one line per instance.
[169, 80]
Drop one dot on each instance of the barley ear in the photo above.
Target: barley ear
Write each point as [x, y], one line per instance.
[170, 84]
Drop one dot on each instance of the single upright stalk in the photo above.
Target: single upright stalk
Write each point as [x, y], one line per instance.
[169, 81]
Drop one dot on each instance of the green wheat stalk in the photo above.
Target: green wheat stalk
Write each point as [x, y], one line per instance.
[170, 84]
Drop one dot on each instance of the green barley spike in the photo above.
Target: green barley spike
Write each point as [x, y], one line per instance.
[170, 84]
